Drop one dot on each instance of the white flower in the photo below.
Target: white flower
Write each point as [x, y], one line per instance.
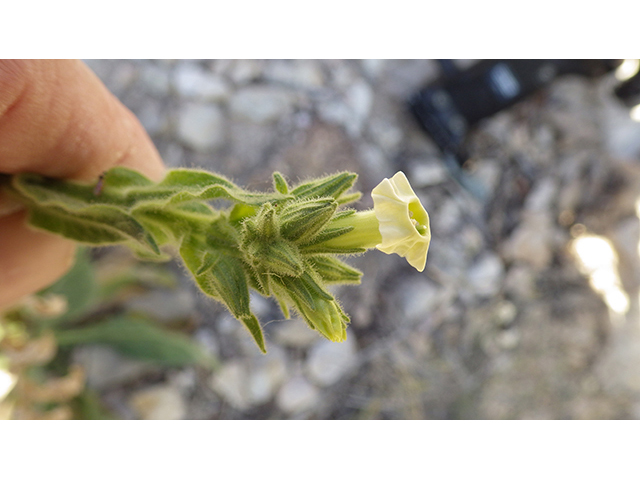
[403, 221]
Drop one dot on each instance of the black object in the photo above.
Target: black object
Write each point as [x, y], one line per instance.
[451, 106]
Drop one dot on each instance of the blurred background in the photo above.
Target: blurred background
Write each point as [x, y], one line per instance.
[528, 306]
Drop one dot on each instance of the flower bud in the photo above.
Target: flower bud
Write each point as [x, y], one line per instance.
[300, 221]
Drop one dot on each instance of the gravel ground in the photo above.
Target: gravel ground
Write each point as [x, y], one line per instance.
[502, 324]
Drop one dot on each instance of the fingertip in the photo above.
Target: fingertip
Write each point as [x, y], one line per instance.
[30, 260]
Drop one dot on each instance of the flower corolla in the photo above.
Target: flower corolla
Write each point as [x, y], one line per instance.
[403, 221]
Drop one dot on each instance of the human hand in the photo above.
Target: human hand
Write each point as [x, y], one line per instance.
[57, 119]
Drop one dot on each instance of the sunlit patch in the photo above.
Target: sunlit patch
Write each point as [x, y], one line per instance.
[634, 113]
[627, 69]
[7, 382]
[599, 261]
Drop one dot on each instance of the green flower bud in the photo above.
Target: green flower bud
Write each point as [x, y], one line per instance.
[328, 318]
[301, 221]
[280, 184]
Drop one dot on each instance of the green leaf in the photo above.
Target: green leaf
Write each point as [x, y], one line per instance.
[332, 270]
[330, 186]
[78, 286]
[138, 339]
[97, 225]
[185, 185]
[87, 406]
[280, 184]
[225, 279]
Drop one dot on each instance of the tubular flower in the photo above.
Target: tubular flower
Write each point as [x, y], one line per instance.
[403, 221]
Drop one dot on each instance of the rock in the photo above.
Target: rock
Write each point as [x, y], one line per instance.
[418, 297]
[156, 79]
[373, 67]
[165, 305]
[487, 172]
[200, 126]
[105, 368]
[296, 73]
[388, 136]
[208, 341]
[267, 372]
[532, 241]
[446, 219]
[521, 282]
[505, 313]
[486, 274]
[163, 402]
[192, 81]
[295, 333]
[428, 172]
[249, 382]
[350, 110]
[261, 104]
[297, 395]
[359, 98]
[153, 118]
[540, 199]
[231, 383]
[328, 362]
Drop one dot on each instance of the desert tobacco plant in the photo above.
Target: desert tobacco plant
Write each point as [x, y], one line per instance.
[282, 243]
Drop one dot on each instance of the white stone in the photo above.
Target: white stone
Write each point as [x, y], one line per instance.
[156, 79]
[297, 395]
[427, 173]
[162, 402]
[231, 383]
[373, 67]
[532, 241]
[486, 274]
[418, 297]
[328, 362]
[105, 368]
[297, 73]
[541, 197]
[261, 104]
[251, 381]
[201, 126]
[165, 305]
[267, 373]
[295, 333]
[192, 81]
[359, 98]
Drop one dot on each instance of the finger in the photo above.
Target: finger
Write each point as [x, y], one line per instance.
[29, 260]
[59, 120]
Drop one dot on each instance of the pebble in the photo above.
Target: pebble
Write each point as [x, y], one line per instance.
[266, 374]
[297, 395]
[328, 362]
[192, 81]
[231, 383]
[427, 172]
[297, 73]
[201, 126]
[531, 242]
[163, 402]
[261, 104]
[520, 282]
[359, 98]
[165, 305]
[251, 381]
[156, 79]
[295, 333]
[486, 274]
[105, 368]
[419, 296]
